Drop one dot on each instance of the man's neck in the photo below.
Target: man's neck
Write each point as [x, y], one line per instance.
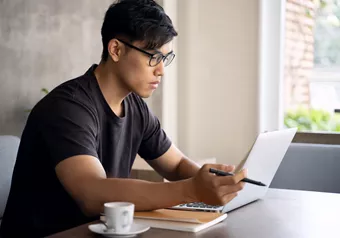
[111, 87]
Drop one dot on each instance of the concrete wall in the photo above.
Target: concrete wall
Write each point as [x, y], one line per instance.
[218, 78]
[42, 44]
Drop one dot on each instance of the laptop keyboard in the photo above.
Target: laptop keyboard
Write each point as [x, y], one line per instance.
[198, 206]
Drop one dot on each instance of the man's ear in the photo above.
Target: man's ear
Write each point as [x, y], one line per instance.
[115, 49]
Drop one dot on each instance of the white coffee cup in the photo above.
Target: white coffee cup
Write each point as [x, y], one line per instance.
[119, 216]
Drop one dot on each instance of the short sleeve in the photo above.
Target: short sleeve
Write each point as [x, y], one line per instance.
[69, 128]
[155, 142]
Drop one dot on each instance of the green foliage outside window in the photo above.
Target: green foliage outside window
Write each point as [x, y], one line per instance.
[312, 120]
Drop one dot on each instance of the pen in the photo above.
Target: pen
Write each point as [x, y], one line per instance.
[247, 180]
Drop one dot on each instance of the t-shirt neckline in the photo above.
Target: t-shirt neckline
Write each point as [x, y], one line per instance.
[107, 108]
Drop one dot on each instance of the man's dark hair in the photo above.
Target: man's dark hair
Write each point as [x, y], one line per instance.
[137, 20]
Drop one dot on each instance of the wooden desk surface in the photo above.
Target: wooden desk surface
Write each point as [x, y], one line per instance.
[281, 214]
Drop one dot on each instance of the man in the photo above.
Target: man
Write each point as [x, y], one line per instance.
[81, 140]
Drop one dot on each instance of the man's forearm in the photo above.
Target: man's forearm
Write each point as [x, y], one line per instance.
[145, 195]
[186, 169]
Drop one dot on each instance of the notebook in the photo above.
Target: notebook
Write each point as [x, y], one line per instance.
[189, 221]
[180, 216]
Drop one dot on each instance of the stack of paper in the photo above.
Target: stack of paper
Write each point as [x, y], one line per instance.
[191, 221]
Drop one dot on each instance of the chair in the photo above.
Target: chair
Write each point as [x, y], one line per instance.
[311, 167]
[8, 151]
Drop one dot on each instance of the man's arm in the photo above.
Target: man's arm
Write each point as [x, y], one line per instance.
[174, 165]
[85, 180]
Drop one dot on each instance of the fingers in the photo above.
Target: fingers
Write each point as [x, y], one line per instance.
[225, 198]
[227, 189]
[228, 197]
[218, 189]
[222, 167]
[231, 180]
[229, 192]
[240, 175]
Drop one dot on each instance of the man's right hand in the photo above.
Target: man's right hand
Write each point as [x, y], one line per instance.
[216, 190]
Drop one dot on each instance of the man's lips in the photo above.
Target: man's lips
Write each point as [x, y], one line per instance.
[154, 84]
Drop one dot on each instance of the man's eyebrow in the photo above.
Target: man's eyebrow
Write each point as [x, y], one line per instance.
[156, 51]
[170, 52]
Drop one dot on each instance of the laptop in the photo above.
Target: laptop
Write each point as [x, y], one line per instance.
[262, 162]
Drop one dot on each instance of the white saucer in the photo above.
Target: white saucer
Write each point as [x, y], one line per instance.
[101, 229]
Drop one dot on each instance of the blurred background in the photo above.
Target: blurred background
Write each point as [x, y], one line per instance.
[241, 67]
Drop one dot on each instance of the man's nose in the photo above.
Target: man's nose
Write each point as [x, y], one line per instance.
[159, 69]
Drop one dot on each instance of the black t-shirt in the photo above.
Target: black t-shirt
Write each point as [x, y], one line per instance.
[74, 119]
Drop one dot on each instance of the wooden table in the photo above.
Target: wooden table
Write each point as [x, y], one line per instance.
[282, 213]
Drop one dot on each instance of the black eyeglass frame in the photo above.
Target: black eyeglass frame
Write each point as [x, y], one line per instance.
[150, 54]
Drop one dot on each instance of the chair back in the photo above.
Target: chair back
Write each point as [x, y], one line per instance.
[8, 151]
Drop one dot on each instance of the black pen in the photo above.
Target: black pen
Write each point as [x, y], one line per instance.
[247, 180]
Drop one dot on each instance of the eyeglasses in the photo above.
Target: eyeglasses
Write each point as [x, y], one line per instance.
[156, 58]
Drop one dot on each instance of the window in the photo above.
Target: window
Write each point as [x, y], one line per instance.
[312, 65]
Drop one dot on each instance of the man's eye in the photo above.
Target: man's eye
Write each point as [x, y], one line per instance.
[156, 59]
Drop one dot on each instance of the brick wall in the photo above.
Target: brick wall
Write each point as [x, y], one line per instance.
[299, 56]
